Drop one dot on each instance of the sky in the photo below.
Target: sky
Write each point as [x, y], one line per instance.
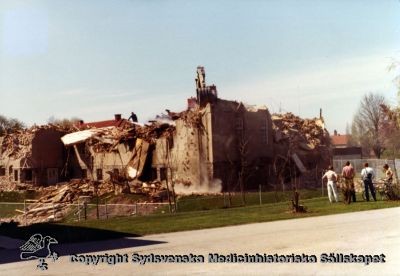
[93, 59]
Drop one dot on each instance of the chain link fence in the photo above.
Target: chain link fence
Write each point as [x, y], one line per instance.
[375, 164]
[27, 212]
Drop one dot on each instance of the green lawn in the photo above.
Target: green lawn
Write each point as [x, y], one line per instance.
[209, 202]
[190, 220]
[230, 216]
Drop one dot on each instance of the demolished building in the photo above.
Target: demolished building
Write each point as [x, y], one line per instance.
[33, 155]
[112, 152]
[226, 142]
[215, 145]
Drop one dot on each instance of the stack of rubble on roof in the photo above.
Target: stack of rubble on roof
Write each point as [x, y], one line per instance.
[151, 132]
[19, 144]
[106, 138]
[300, 134]
[191, 117]
[303, 141]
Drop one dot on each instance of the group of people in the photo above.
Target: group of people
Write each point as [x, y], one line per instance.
[348, 173]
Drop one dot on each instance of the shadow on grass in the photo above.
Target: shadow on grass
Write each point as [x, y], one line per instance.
[71, 239]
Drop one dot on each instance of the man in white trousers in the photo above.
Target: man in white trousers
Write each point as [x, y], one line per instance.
[331, 176]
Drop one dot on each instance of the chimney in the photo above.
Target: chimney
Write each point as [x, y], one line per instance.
[335, 132]
[117, 117]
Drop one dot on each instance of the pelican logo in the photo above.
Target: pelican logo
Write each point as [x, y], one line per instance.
[38, 247]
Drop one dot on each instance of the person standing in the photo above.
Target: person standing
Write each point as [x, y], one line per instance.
[348, 189]
[367, 174]
[388, 182]
[388, 174]
[133, 117]
[331, 176]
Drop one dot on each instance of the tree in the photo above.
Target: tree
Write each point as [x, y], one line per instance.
[367, 124]
[65, 123]
[9, 125]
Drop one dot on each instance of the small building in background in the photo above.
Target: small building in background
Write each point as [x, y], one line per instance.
[341, 149]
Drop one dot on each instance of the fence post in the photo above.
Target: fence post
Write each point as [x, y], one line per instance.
[26, 223]
[106, 208]
[54, 212]
[97, 207]
[259, 191]
[79, 210]
[136, 210]
[85, 207]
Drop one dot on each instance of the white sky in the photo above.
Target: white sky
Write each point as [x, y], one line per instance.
[92, 59]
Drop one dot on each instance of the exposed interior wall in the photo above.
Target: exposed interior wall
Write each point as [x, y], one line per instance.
[128, 159]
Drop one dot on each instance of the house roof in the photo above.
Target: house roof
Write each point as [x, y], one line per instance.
[339, 139]
[107, 123]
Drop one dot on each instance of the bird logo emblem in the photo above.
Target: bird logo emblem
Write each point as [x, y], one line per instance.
[38, 247]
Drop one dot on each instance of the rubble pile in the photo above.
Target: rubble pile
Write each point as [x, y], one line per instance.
[304, 134]
[153, 131]
[6, 185]
[55, 201]
[105, 139]
[191, 117]
[17, 145]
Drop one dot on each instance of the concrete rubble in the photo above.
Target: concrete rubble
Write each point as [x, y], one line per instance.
[303, 142]
[301, 134]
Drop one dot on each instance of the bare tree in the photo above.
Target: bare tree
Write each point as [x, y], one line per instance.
[65, 123]
[390, 128]
[366, 126]
[10, 125]
[244, 168]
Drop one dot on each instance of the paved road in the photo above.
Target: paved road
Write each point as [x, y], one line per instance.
[369, 232]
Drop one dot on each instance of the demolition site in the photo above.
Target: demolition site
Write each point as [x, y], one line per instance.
[214, 146]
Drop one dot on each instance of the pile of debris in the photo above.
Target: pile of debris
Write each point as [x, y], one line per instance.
[151, 132]
[6, 185]
[191, 117]
[17, 144]
[303, 134]
[106, 139]
[302, 149]
[55, 201]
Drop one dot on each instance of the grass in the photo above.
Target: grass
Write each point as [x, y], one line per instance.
[191, 220]
[198, 203]
[15, 196]
[232, 216]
